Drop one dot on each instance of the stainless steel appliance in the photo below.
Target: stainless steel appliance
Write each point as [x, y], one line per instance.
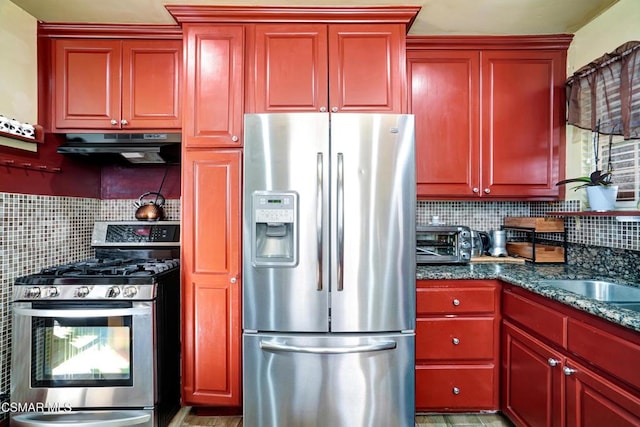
[138, 148]
[443, 244]
[97, 342]
[480, 243]
[329, 270]
[498, 243]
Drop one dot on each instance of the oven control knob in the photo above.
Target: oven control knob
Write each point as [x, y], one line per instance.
[33, 292]
[50, 292]
[129, 291]
[113, 292]
[82, 291]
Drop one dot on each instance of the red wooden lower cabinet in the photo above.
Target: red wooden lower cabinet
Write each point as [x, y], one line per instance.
[531, 380]
[211, 329]
[592, 401]
[583, 374]
[457, 345]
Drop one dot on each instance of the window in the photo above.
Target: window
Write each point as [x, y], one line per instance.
[604, 97]
[625, 163]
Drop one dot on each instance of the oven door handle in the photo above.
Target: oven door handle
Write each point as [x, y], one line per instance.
[107, 312]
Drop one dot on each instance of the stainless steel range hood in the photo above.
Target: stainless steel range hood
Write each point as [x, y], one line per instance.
[141, 148]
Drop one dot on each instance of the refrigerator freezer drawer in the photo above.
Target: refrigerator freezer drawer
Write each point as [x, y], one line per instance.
[299, 380]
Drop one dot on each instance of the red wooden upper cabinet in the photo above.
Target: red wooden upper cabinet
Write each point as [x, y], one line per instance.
[444, 97]
[522, 122]
[214, 106]
[489, 115]
[328, 67]
[117, 85]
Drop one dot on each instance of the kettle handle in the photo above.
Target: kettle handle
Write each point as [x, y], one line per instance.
[159, 198]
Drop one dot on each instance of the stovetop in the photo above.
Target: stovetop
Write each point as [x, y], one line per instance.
[111, 267]
[131, 260]
[98, 279]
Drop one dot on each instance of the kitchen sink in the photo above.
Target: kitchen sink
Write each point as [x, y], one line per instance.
[597, 289]
[634, 306]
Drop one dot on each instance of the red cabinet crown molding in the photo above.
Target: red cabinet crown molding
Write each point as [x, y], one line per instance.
[551, 41]
[296, 14]
[120, 31]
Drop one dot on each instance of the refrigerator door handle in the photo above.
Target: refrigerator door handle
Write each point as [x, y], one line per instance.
[340, 225]
[319, 212]
[280, 347]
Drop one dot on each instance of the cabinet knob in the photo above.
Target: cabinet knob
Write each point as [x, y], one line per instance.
[456, 390]
[456, 302]
[476, 190]
[568, 371]
[114, 122]
[334, 109]
[233, 280]
[553, 362]
[487, 191]
[455, 341]
[234, 138]
[323, 109]
[123, 122]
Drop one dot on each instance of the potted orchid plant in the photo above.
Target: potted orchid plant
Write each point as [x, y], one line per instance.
[601, 193]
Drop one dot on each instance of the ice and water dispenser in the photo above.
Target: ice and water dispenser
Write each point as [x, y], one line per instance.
[274, 234]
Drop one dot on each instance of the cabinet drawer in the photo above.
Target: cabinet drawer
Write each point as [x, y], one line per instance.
[614, 354]
[535, 317]
[455, 387]
[455, 338]
[458, 300]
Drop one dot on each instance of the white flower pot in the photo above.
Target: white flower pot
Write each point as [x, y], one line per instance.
[602, 198]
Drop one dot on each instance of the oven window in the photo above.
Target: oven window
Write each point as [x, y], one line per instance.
[437, 244]
[70, 352]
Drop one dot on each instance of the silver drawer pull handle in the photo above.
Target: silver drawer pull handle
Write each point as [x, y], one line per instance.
[568, 371]
[455, 341]
[456, 390]
[456, 302]
[553, 362]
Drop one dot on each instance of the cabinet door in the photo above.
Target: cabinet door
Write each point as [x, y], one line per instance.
[522, 122]
[214, 85]
[593, 401]
[151, 84]
[87, 84]
[211, 333]
[367, 68]
[444, 97]
[531, 380]
[290, 68]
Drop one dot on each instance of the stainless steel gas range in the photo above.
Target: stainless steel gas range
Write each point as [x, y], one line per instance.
[97, 342]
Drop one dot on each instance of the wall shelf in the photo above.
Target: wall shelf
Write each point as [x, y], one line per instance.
[595, 213]
[621, 216]
[39, 135]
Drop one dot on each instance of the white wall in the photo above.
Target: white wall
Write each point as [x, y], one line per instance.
[19, 83]
[617, 25]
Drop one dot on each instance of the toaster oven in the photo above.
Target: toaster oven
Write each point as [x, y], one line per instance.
[443, 244]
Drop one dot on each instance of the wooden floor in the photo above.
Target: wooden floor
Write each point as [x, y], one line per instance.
[186, 419]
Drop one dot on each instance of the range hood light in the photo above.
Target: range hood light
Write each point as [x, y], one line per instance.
[143, 157]
[133, 156]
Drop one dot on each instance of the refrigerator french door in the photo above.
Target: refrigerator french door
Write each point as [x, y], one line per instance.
[329, 270]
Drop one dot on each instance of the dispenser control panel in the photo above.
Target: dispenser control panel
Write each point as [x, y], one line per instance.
[275, 209]
[274, 229]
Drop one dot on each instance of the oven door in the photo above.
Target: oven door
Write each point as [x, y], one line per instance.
[438, 247]
[83, 355]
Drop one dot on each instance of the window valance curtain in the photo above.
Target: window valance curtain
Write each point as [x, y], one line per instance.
[607, 91]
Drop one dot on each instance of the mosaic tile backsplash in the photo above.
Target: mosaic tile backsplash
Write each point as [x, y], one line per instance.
[40, 231]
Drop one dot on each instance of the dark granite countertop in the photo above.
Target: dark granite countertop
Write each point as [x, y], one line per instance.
[528, 276]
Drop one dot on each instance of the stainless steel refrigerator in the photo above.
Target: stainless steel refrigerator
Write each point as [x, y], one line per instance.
[329, 270]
